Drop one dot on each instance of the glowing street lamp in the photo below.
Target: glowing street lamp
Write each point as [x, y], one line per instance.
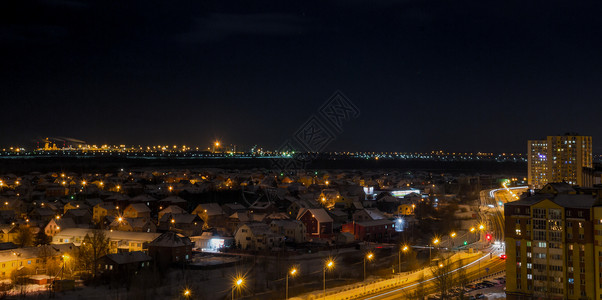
[368, 257]
[403, 249]
[65, 258]
[435, 242]
[187, 293]
[329, 264]
[237, 285]
[292, 272]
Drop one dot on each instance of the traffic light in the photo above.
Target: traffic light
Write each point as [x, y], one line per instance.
[465, 243]
[503, 256]
[488, 237]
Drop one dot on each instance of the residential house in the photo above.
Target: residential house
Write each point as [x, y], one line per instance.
[42, 214]
[257, 236]
[74, 205]
[79, 216]
[212, 214]
[30, 257]
[170, 248]
[172, 209]
[238, 218]
[133, 224]
[318, 223]
[100, 211]
[119, 241]
[380, 230]
[293, 230]
[121, 266]
[187, 224]
[173, 200]
[137, 210]
[367, 214]
[57, 224]
[8, 233]
[230, 208]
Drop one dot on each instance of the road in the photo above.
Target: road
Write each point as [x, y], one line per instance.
[492, 203]
[474, 270]
[492, 206]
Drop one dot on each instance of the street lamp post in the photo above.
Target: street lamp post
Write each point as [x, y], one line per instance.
[328, 265]
[452, 235]
[292, 272]
[237, 283]
[403, 249]
[435, 242]
[65, 257]
[368, 256]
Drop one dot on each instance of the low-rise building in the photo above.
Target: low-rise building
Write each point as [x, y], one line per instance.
[318, 223]
[187, 224]
[257, 236]
[371, 231]
[30, 257]
[57, 224]
[170, 248]
[137, 210]
[133, 224]
[119, 241]
[100, 211]
[212, 214]
[293, 230]
[120, 266]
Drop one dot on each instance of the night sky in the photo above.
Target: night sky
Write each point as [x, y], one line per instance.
[426, 75]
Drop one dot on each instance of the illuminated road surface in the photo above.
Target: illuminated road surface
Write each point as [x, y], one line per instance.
[473, 269]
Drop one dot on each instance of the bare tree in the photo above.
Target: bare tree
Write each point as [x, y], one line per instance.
[92, 248]
[24, 237]
[419, 292]
[443, 277]
[48, 256]
[461, 280]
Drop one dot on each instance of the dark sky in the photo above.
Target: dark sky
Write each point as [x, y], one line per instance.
[427, 74]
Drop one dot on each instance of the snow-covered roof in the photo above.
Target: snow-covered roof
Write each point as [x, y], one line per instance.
[128, 257]
[170, 239]
[318, 213]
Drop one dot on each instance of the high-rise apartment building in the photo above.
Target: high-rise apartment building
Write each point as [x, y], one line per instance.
[559, 159]
[554, 244]
[567, 156]
[537, 153]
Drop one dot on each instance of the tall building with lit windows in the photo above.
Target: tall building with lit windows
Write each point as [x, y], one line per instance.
[554, 244]
[537, 154]
[559, 159]
[567, 156]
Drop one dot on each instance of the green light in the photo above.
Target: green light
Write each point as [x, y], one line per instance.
[465, 243]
